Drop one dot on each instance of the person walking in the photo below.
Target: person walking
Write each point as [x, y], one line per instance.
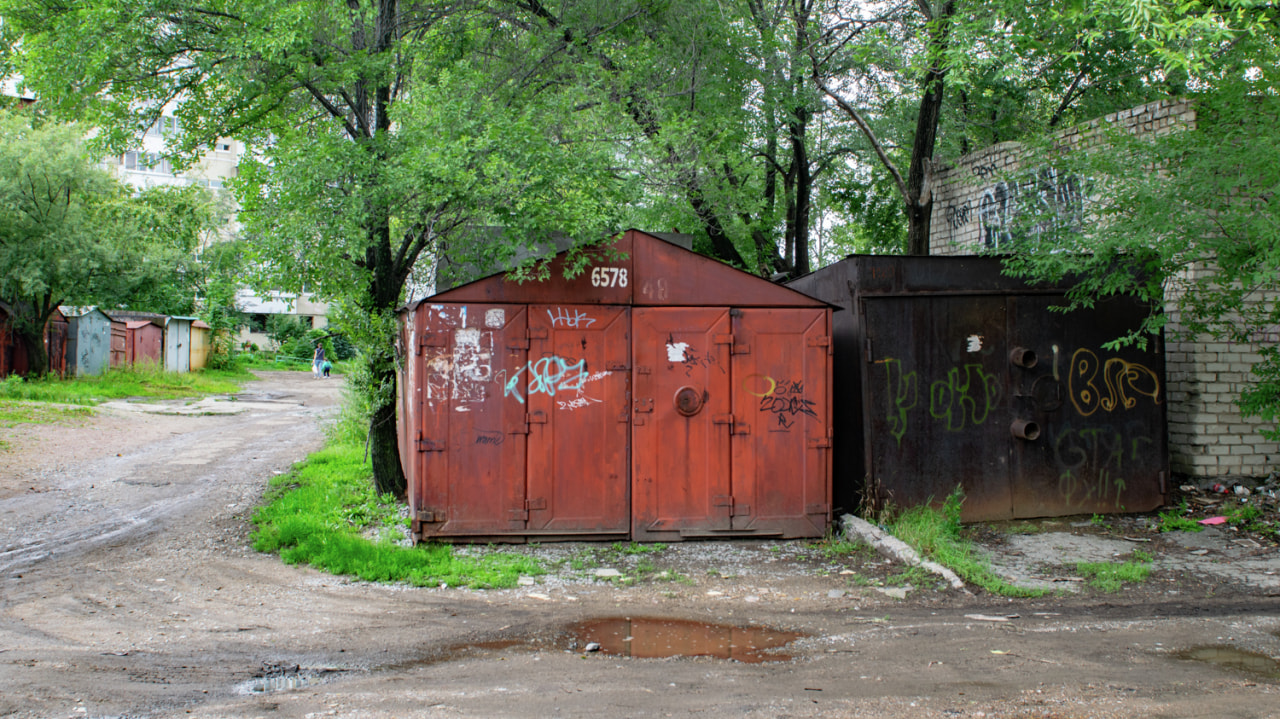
[317, 361]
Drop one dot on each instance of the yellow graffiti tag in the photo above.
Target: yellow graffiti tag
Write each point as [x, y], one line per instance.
[757, 381]
[1122, 380]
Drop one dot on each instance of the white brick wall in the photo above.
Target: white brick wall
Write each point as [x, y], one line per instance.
[973, 204]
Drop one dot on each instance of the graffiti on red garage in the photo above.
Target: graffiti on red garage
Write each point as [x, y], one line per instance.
[660, 396]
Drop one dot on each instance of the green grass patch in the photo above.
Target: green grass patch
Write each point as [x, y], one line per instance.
[1110, 577]
[936, 534]
[137, 381]
[14, 412]
[1175, 519]
[321, 512]
[834, 547]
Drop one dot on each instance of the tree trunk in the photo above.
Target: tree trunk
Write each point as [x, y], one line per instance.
[385, 285]
[37, 355]
[803, 190]
[920, 174]
[384, 447]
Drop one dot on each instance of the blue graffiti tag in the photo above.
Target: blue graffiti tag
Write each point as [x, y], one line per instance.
[548, 376]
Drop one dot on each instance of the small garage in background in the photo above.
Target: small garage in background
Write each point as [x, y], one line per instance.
[949, 373]
[177, 344]
[88, 341]
[659, 395]
[201, 340]
[144, 341]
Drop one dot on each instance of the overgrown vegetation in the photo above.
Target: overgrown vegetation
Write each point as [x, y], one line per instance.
[326, 514]
[935, 533]
[1175, 519]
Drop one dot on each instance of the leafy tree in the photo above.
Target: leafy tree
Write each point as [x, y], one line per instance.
[284, 329]
[174, 272]
[382, 126]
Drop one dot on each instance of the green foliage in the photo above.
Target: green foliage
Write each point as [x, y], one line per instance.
[1110, 576]
[320, 513]
[935, 534]
[285, 330]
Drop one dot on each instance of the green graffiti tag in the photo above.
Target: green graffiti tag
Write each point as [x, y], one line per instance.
[900, 388]
[964, 396]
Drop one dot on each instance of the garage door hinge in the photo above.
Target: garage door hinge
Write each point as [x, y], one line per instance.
[429, 516]
[537, 333]
[429, 445]
[538, 417]
[817, 509]
[824, 341]
[819, 443]
[432, 339]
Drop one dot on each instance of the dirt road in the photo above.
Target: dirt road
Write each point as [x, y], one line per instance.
[127, 588]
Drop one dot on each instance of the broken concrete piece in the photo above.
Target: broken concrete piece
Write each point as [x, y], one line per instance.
[890, 545]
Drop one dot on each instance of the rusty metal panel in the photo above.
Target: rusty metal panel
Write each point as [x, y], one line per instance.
[682, 418]
[55, 341]
[472, 432]
[1092, 419]
[671, 276]
[937, 402]
[637, 269]
[575, 387]
[781, 464]
[119, 350]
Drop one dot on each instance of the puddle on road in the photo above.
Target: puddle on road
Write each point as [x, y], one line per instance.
[266, 685]
[659, 638]
[1232, 658]
[280, 678]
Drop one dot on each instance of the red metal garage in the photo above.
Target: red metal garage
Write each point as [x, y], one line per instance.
[659, 396]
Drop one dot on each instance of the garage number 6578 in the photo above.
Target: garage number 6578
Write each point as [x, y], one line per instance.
[608, 277]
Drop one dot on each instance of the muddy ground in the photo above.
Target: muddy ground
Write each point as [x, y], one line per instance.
[128, 588]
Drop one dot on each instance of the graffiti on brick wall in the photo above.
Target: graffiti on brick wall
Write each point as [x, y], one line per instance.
[1045, 199]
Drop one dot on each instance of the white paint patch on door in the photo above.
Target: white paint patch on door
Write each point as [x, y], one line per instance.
[975, 343]
[676, 351]
[495, 318]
